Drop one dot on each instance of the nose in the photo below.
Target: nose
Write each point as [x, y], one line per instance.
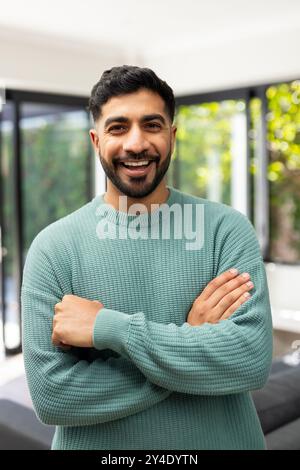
[135, 141]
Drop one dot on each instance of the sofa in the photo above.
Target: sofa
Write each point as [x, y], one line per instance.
[21, 430]
[278, 406]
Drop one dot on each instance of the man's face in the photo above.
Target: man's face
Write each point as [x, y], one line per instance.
[134, 129]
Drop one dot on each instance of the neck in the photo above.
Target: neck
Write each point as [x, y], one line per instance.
[158, 196]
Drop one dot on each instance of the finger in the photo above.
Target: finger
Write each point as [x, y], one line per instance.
[241, 300]
[64, 346]
[57, 307]
[227, 288]
[68, 297]
[217, 282]
[230, 299]
[55, 340]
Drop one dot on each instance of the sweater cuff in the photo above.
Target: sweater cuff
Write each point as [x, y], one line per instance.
[111, 330]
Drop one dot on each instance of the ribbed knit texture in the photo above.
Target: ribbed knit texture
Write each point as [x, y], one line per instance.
[151, 381]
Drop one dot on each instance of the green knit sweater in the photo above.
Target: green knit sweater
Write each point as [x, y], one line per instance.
[151, 381]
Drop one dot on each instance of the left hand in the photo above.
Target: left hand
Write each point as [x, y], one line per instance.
[73, 321]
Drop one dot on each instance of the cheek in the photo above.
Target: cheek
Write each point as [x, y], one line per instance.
[165, 143]
[164, 148]
[110, 149]
[103, 151]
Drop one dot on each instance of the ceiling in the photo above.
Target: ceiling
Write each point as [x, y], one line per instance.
[145, 28]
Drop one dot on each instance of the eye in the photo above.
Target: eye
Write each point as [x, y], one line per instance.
[153, 125]
[117, 128]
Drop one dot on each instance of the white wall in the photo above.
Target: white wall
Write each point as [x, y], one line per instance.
[225, 63]
[39, 62]
[283, 283]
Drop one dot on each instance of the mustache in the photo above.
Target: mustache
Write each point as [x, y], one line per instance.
[137, 158]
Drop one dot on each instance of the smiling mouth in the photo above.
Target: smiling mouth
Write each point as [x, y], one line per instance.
[143, 163]
[137, 168]
[135, 163]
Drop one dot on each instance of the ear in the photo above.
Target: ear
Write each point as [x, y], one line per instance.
[173, 137]
[94, 139]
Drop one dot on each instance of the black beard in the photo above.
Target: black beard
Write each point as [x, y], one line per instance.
[140, 189]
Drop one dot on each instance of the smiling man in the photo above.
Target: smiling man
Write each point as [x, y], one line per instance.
[138, 342]
[135, 140]
[136, 165]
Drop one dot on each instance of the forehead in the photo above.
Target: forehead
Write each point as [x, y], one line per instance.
[133, 104]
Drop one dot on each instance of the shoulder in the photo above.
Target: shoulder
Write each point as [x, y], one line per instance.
[222, 215]
[229, 230]
[63, 232]
[48, 263]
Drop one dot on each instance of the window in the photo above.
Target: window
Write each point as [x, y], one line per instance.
[242, 148]
[46, 173]
[210, 158]
[55, 153]
[283, 130]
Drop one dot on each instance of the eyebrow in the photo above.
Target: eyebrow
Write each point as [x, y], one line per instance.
[145, 118]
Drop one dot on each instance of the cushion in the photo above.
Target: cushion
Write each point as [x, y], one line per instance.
[278, 402]
[20, 429]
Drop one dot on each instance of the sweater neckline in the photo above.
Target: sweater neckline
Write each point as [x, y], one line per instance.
[123, 218]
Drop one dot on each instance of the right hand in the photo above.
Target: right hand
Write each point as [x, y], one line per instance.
[220, 298]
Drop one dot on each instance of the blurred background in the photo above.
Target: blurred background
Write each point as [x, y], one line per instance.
[235, 71]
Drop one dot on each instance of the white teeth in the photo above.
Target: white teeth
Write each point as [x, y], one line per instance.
[136, 163]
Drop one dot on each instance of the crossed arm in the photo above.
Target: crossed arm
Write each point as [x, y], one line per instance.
[213, 359]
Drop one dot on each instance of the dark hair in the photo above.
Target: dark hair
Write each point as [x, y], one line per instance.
[128, 79]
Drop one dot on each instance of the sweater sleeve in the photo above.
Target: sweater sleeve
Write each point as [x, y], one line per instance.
[66, 390]
[231, 356]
